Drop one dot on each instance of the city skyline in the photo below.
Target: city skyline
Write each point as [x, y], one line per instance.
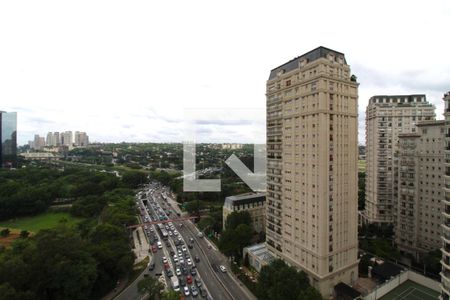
[130, 80]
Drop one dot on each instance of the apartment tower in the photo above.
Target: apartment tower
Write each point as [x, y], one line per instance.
[445, 274]
[312, 152]
[419, 185]
[386, 118]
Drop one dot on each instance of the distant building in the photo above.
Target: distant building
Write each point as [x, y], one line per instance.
[8, 138]
[37, 143]
[254, 203]
[67, 138]
[386, 118]
[419, 185]
[49, 140]
[42, 156]
[81, 139]
[56, 139]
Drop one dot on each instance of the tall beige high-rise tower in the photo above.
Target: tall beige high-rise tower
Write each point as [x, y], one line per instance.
[386, 118]
[312, 128]
[445, 274]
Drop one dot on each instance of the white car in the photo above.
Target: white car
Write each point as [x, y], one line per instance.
[175, 259]
[223, 269]
[186, 291]
[178, 272]
[164, 259]
[189, 262]
[184, 248]
[170, 233]
[175, 232]
[181, 261]
[159, 245]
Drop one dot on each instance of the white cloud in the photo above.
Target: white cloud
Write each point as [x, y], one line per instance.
[128, 70]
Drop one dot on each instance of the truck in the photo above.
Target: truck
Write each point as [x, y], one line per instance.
[175, 283]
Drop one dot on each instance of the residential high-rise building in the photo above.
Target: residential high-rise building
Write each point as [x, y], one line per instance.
[312, 155]
[49, 139]
[38, 142]
[8, 138]
[67, 138]
[56, 139]
[445, 274]
[81, 138]
[386, 118]
[419, 184]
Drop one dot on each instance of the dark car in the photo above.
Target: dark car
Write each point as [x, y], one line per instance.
[203, 293]
[190, 246]
[198, 282]
[197, 259]
[182, 281]
[193, 272]
[184, 270]
[152, 266]
[169, 273]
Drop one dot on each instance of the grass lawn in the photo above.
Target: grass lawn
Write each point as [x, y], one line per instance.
[42, 221]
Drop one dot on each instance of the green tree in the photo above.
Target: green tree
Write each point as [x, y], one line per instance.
[24, 234]
[134, 179]
[236, 218]
[150, 286]
[5, 232]
[171, 295]
[278, 281]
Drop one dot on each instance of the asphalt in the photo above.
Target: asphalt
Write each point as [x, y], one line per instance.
[218, 285]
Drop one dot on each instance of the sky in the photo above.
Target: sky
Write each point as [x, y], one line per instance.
[136, 70]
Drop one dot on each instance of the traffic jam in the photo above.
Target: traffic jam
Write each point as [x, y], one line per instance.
[178, 267]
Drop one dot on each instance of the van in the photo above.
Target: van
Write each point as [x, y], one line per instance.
[175, 283]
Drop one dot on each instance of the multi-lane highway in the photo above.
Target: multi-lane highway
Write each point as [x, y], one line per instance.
[181, 253]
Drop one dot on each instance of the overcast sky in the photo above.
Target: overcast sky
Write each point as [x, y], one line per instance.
[129, 70]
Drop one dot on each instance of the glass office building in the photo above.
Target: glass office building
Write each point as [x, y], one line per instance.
[8, 137]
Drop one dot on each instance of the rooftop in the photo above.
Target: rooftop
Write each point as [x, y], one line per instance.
[245, 198]
[319, 52]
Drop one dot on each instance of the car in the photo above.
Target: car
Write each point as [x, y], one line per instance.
[190, 246]
[194, 291]
[154, 249]
[175, 259]
[223, 269]
[191, 240]
[182, 281]
[169, 273]
[198, 282]
[193, 272]
[170, 233]
[181, 261]
[200, 234]
[186, 291]
[189, 279]
[175, 232]
[151, 267]
[172, 252]
[189, 262]
[164, 259]
[203, 293]
[184, 248]
[178, 272]
[197, 259]
[166, 266]
[159, 244]
[184, 270]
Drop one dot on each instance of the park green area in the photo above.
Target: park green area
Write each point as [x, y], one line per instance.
[42, 221]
